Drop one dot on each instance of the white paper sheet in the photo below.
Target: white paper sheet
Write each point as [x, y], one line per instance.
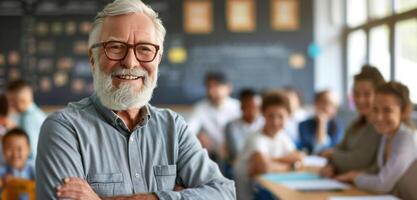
[316, 185]
[314, 161]
[375, 197]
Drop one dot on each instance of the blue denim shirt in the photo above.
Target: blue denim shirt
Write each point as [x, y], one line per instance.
[90, 141]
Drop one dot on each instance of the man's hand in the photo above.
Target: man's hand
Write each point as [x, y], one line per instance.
[179, 188]
[76, 189]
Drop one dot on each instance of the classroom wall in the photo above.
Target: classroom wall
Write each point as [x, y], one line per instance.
[328, 26]
[328, 30]
[258, 59]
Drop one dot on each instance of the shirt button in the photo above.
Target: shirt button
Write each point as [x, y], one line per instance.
[137, 175]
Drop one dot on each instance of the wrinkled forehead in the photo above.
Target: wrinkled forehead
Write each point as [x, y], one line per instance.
[132, 28]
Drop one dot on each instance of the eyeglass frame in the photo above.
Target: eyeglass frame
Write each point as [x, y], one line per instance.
[129, 46]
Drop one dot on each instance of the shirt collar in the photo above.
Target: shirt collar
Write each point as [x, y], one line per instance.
[31, 108]
[113, 118]
[14, 171]
[144, 115]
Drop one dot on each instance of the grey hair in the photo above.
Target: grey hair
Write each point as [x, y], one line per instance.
[120, 7]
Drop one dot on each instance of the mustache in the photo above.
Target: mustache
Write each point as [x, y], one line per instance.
[120, 71]
[132, 72]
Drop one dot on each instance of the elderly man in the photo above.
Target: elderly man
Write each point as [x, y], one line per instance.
[114, 145]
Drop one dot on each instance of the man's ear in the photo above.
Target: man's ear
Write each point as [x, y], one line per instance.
[91, 57]
[159, 58]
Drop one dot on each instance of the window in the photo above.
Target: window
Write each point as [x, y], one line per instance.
[406, 55]
[382, 33]
[356, 54]
[404, 5]
[356, 12]
[380, 8]
[379, 54]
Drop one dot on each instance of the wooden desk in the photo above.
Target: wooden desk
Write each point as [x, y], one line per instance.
[286, 193]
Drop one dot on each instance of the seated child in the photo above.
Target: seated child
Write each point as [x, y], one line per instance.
[391, 117]
[268, 150]
[5, 122]
[16, 150]
[238, 130]
[323, 130]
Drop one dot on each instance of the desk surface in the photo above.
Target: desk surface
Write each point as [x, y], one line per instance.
[286, 193]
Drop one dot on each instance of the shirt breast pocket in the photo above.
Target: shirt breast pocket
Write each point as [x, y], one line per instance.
[106, 185]
[165, 176]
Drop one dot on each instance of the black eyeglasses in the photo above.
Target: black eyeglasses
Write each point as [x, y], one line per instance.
[117, 51]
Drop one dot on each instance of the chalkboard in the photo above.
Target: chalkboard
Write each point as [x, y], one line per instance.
[247, 66]
[260, 59]
[10, 48]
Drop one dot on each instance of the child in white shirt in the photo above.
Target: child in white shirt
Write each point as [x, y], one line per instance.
[269, 150]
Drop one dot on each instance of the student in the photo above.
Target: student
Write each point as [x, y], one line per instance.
[270, 149]
[391, 116]
[298, 113]
[238, 130]
[5, 122]
[210, 116]
[31, 117]
[16, 150]
[357, 150]
[322, 131]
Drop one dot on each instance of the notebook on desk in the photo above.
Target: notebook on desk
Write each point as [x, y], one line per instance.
[314, 161]
[316, 185]
[305, 181]
[290, 176]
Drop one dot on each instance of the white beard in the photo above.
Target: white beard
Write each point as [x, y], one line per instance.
[125, 96]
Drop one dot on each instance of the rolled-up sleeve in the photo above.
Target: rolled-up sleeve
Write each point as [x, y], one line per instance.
[200, 176]
[57, 157]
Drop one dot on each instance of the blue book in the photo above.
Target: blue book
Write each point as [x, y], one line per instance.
[290, 176]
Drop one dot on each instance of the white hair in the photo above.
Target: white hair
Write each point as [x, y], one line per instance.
[121, 7]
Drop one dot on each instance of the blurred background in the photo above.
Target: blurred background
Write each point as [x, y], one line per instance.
[309, 45]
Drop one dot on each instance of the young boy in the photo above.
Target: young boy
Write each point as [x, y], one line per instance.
[270, 149]
[16, 150]
[238, 130]
[210, 116]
